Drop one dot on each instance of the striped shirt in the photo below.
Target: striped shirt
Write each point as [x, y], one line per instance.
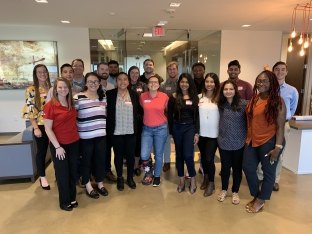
[91, 119]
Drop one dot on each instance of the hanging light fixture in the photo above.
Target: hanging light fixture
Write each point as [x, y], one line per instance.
[304, 38]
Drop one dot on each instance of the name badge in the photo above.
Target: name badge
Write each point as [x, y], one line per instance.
[139, 89]
[188, 102]
[168, 88]
[147, 101]
[128, 103]
[240, 88]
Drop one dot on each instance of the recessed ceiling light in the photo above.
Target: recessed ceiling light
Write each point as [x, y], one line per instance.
[112, 13]
[65, 21]
[162, 22]
[147, 34]
[175, 4]
[41, 1]
[246, 25]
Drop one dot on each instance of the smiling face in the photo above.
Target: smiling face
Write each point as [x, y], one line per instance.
[153, 84]
[228, 91]
[184, 84]
[92, 83]
[42, 74]
[68, 73]
[210, 84]
[122, 81]
[198, 72]
[281, 72]
[233, 72]
[149, 67]
[78, 68]
[62, 89]
[134, 75]
[172, 71]
[103, 71]
[263, 83]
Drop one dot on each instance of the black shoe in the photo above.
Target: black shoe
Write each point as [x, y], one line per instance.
[103, 191]
[166, 167]
[111, 177]
[74, 204]
[120, 183]
[130, 182]
[67, 207]
[275, 187]
[44, 188]
[93, 194]
[137, 171]
[156, 181]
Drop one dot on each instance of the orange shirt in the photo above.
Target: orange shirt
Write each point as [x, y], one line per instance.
[259, 131]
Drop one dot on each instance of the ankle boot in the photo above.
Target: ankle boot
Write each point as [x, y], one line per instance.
[209, 190]
[204, 183]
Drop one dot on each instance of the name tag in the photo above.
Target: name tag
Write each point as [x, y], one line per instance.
[240, 88]
[139, 89]
[128, 103]
[168, 88]
[147, 101]
[188, 102]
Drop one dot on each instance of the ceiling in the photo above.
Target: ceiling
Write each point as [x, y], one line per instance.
[144, 14]
[108, 19]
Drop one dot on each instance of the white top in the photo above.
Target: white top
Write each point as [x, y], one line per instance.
[208, 117]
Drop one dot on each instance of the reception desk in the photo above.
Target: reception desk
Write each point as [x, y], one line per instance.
[298, 150]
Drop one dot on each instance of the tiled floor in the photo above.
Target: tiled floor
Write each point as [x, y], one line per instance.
[26, 208]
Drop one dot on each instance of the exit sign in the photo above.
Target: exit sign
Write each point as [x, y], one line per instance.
[158, 31]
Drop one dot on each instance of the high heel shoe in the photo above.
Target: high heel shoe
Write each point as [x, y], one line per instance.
[181, 189]
[44, 187]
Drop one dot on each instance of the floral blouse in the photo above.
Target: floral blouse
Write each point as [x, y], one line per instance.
[30, 111]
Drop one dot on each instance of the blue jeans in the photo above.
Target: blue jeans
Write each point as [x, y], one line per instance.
[154, 136]
[167, 149]
[251, 159]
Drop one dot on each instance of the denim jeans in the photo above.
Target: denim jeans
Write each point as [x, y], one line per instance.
[167, 149]
[154, 137]
[251, 159]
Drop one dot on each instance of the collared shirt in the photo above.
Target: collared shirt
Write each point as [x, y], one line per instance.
[124, 116]
[78, 85]
[244, 89]
[290, 96]
[112, 80]
[169, 87]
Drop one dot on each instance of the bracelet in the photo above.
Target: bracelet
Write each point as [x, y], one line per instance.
[58, 147]
[279, 146]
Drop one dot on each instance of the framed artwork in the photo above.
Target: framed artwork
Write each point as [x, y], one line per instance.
[18, 58]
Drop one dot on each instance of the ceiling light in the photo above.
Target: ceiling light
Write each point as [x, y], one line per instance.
[246, 25]
[65, 21]
[162, 22]
[107, 44]
[147, 34]
[175, 4]
[41, 1]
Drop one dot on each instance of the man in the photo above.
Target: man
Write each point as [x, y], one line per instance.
[290, 96]
[113, 67]
[103, 72]
[198, 70]
[169, 87]
[244, 88]
[149, 71]
[67, 72]
[78, 82]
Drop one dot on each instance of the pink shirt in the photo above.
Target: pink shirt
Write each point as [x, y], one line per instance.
[154, 108]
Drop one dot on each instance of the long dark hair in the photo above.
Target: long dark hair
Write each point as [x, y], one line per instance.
[223, 99]
[216, 81]
[100, 91]
[129, 71]
[274, 99]
[191, 92]
[36, 85]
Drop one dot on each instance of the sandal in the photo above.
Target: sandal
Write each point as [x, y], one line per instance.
[222, 195]
[235, 199]
[259, 207]
[250, 204]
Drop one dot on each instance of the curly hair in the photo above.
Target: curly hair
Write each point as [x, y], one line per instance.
[274, 99]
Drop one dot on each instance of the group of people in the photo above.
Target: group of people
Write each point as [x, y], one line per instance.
[83, 116]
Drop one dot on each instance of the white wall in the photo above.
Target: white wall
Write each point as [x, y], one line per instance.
[252, 49]
[71, 42]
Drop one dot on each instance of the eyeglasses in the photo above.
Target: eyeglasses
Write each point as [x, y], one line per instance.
[91, 82]
[265, 82]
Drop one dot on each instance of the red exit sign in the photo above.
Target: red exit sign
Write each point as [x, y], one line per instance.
[158, 31]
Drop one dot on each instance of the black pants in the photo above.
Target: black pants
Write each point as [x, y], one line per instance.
[207, 147]
[93, 151]
[42, 147]
[231, 159]
[108, 154]
[124, 146]
[66, 172]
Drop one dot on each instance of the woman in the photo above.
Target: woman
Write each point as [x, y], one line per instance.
[266, 115]
[122, 110]
[36, 95]
[184, 127]
[209, 125]
[155, 130]
[231, 139]
[91, 105]
[139, 87]
[60, 126]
